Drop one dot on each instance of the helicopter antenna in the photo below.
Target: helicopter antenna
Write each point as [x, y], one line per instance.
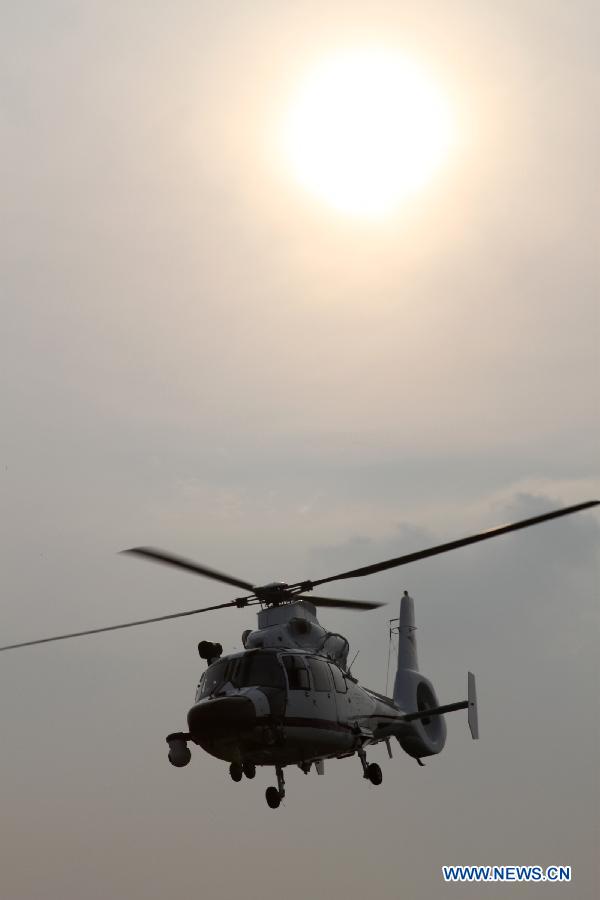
[393, 631]
[352, 663]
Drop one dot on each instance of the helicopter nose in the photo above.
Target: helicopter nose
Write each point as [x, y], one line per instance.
[221, 715]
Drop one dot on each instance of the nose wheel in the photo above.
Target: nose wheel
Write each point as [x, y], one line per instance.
[238, 770]
[274, 795]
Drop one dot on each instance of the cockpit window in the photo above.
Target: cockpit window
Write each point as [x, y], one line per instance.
[200, 686]
[261, 669]
[252, 669]
[214, 677]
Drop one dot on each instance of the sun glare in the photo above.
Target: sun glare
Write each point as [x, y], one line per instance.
[366, 130]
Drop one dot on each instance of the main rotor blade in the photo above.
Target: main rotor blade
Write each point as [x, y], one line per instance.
[64, 637]
[341, 604]
[454, 545]
[179, 562]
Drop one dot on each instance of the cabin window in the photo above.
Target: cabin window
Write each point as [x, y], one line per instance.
[320, 674]
[297, 673]
[338, 680]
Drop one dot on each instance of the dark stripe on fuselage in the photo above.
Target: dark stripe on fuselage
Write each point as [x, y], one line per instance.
[307, 722]
[329, 724]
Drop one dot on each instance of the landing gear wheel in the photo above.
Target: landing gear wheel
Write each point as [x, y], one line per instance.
[249, 769]
[236, 771]
[273, 798]
[374, 774]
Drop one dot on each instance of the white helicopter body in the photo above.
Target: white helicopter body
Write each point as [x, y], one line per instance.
[289, 699]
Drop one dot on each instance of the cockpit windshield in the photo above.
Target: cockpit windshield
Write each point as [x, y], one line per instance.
[254, 669]
[262, 669]
[214, 677]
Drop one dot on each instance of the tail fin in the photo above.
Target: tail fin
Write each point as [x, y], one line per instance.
[407, 644]
[407, 654]
[413, 693]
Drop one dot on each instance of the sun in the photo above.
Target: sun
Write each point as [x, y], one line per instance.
[366, 129]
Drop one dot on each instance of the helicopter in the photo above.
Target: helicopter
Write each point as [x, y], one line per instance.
[289, 697]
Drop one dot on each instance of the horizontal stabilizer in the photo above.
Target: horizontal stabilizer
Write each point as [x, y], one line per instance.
[470, 704]
[435, 711]
[472, 695]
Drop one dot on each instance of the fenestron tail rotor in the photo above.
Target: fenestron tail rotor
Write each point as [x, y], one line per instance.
[279, 593]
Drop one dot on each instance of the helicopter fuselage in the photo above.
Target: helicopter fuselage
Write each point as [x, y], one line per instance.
[270, 707]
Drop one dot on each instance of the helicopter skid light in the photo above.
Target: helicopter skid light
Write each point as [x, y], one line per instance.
[367, 129]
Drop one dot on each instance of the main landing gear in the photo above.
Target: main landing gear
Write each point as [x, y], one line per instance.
[275, 795]
[372, 772]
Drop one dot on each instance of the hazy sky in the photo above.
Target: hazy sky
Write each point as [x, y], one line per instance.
[198, 354]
